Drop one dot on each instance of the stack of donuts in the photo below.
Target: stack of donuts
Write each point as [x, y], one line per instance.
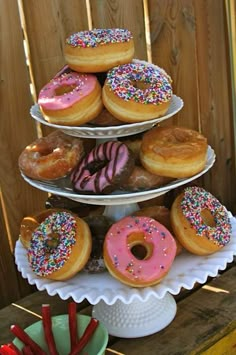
[138, 250]
[101, 83]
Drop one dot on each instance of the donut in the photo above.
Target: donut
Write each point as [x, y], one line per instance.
[141, 180]
[30, 223]
[51, 157]
[162, 215]
[105, 119]
[79, 208]
[99, 226]
[137, 92]
[104, 169]
[134, 144]
[60, 246]
[176, 152]
[98, 50]
[200, 222]
[138, 251]
[71, 99]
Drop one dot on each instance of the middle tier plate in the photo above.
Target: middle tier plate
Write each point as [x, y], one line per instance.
[63, 187]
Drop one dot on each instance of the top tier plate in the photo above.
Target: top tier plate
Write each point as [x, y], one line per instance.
[89, 131]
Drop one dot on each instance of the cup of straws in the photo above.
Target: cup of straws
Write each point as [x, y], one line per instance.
[66, 334]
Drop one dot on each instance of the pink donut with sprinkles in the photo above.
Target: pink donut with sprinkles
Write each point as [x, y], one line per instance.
[104, 169]
[137, 91]
[98, 50]
[200, 222]
[60, 246]
[138, 251]
[71, 99]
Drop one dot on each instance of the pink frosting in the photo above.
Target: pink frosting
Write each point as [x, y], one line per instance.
[126, 264]
[78, 86]
[86, 177]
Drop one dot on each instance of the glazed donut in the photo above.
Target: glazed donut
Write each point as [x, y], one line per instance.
[60, 246]
[30, 223]
[162, 215]
[159, 213]
[173, 151]
[137, 92]
[71, 99]
[99, 49]
[104, 169]
[140, 179]
[105, 119]
[200, 222]
[99, 226]
[153, 261]
[51, 157]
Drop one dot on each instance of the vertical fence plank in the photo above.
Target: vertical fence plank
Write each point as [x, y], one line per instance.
[17, 130]
[9, 291]
[189, 41]
[174, 49]
[122, 14]
[48, 23]
[214, 85]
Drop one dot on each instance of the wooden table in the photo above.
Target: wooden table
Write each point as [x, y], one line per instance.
[205, 322]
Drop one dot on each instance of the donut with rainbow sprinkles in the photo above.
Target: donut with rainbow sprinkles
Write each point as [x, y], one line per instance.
[200, 222]
[137, 91]
[60, 246]
[98, 50]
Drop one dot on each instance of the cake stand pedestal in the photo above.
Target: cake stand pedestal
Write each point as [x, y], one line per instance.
[116, 212]
[137, 319]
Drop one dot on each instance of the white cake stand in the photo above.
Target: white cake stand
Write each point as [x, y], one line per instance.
[125, 311]
[133, 312]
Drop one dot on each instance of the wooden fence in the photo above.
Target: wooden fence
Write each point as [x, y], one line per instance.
[188, 38]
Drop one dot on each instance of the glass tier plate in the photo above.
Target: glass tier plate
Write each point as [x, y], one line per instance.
[89, 131]
[186, 270]
[63, 187]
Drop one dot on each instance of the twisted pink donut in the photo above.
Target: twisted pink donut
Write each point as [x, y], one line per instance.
[103, 169]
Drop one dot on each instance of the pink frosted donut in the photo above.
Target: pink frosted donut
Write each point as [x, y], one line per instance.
[104, 169]
[138, 251]
[71, 99]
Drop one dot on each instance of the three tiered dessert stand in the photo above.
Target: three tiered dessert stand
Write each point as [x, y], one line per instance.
[126, 311]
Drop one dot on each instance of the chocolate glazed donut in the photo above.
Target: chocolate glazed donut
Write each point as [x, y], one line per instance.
[104, 169]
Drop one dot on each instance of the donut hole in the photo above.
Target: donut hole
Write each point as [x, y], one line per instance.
[96, 165]
[138, 246]
[45, 151]
[139, 251]
[64, 89]
[41, 149]
[208, 218]
[141, 85]
[53, 240]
